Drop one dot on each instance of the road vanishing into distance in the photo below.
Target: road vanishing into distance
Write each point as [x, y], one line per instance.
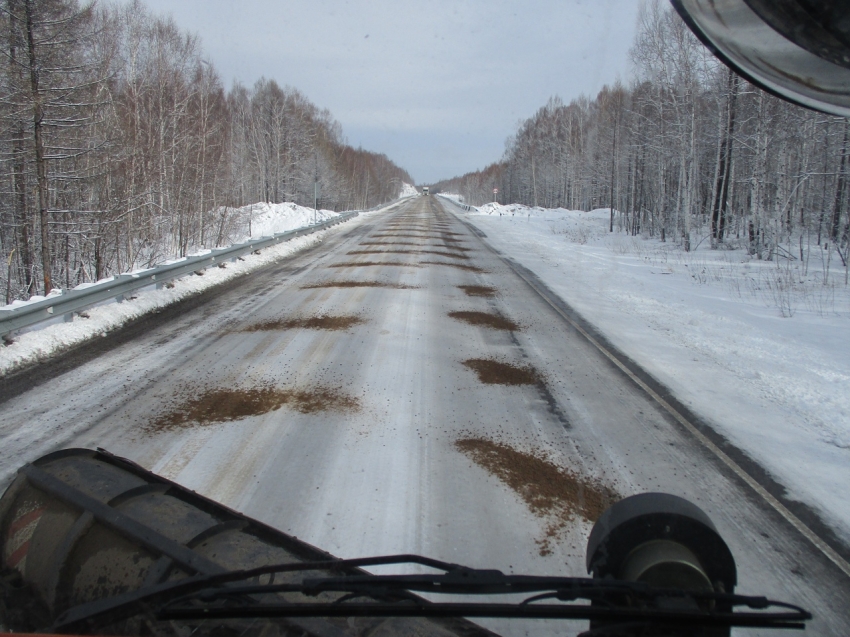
[401, 389]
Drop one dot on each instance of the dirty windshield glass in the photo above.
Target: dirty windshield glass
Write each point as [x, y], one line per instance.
[287, 283]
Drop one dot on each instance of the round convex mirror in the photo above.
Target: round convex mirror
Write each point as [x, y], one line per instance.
[798, 50]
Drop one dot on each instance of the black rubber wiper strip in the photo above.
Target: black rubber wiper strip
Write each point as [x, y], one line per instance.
[529, 611]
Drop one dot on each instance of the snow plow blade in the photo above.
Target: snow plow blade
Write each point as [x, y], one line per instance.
[83, 528]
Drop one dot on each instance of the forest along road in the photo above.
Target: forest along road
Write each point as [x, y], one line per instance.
[399, 389]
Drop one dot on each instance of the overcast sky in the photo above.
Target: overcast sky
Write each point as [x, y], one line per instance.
[437, 85]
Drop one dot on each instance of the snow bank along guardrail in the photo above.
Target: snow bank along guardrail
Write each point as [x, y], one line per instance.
[456, 203]
[71, 301]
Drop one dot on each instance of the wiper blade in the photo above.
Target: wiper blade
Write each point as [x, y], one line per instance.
[128, 604]
[795, 618]
[220, 596]
[391, 595]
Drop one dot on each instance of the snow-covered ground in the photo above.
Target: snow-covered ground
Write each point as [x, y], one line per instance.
[44, 340]
[267, 219]
[408, 190]
[759, 349]
[258, 220]
[452, 197]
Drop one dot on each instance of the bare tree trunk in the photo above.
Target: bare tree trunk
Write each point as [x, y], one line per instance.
[718, 210]
[534, 180]
[825, 169]
[840, 186]
[757, 182]
[19, 203]
[690, 190]
[613, 155]
[38, 139]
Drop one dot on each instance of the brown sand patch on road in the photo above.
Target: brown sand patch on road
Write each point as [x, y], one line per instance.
[494, 372]
[413, 231]
[400, 235]
[549, 491]
[368, 264]
[356, 252]
[445, 254]
[359, 284]
[412, 243]
[462, 266]
[390, 243]
[435, 252]
[478, 290]
[485, 319]
[320, 322]
[225, 405]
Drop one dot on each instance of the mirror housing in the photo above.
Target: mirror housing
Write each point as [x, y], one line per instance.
[798, 50]
[662, 540]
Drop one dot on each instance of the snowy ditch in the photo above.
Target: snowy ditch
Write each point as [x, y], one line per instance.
[760, 350]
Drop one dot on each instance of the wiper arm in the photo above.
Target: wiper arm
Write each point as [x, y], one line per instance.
[459, 582]
[220, 596]
[128, 604]
[391, 595]
[794, 619]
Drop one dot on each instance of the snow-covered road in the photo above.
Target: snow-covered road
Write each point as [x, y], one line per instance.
[388, 440]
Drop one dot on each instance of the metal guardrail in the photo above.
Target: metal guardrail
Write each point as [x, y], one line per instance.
[71, 301]
[456, 203]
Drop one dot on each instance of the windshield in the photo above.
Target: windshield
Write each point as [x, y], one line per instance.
[437, 279]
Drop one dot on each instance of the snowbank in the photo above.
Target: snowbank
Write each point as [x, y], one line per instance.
[38, 297]
[267, 219]
[40, 344]
[407, 190]
[261, 220]
[760, 349]
[513, 210]
[46, 339]
[452, 197]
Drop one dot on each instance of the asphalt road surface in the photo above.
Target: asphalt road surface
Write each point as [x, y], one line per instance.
[387, 433]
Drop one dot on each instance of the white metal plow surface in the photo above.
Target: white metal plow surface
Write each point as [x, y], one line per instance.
[367, 426]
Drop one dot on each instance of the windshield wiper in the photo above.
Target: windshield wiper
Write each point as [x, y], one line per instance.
[392, 595]
[357, 593]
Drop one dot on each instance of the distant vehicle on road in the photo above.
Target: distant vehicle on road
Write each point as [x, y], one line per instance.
[424, 190]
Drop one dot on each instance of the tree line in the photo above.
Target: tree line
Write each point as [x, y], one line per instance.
[120, 147]
[687, 152]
